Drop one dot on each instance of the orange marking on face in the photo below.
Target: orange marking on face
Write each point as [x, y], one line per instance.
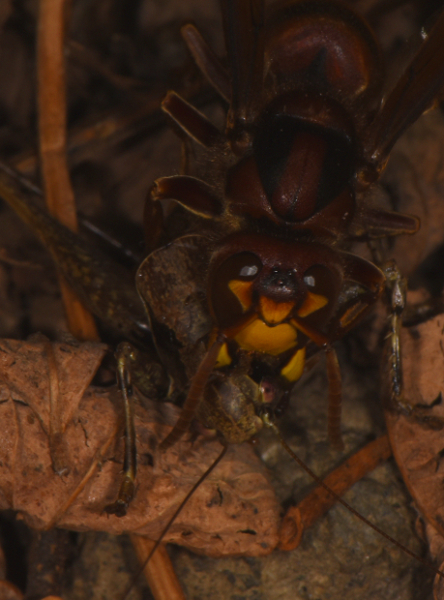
[274, 312]
[295, 367]
[242, 291]
[258, 336]
[312, 303]
[223, 358]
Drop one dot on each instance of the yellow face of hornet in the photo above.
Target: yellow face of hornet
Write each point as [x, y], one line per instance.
[267, 304]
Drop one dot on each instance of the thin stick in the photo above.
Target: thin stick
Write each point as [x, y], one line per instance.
[52, 111]
[336, 498]
[161, 577]
[57, 446]
[320, 500]
[52, 144]
[98, 458]
[89, 59]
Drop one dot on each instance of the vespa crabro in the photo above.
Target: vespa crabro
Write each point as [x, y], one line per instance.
[297, 150]
[301, 144]
[256, 234]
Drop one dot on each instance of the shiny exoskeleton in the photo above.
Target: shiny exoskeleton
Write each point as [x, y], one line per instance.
[306, 134]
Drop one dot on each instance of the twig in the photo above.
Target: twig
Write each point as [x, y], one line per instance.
[159, 572]
[316, 504]
[52, 143]
[21, 264]
[89, 59]
[80, 487]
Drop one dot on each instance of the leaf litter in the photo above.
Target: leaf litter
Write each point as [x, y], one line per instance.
[237, 498]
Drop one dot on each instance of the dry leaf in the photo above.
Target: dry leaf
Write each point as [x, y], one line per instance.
[234, 511]
[417, 446]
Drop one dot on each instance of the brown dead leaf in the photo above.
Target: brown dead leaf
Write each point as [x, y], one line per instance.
[417, 446]
[234, 512]
[30, 370]
[51, 379]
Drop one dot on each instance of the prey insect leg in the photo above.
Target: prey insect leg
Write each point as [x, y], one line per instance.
[396, 288]
[127, 486]
[397, 291]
